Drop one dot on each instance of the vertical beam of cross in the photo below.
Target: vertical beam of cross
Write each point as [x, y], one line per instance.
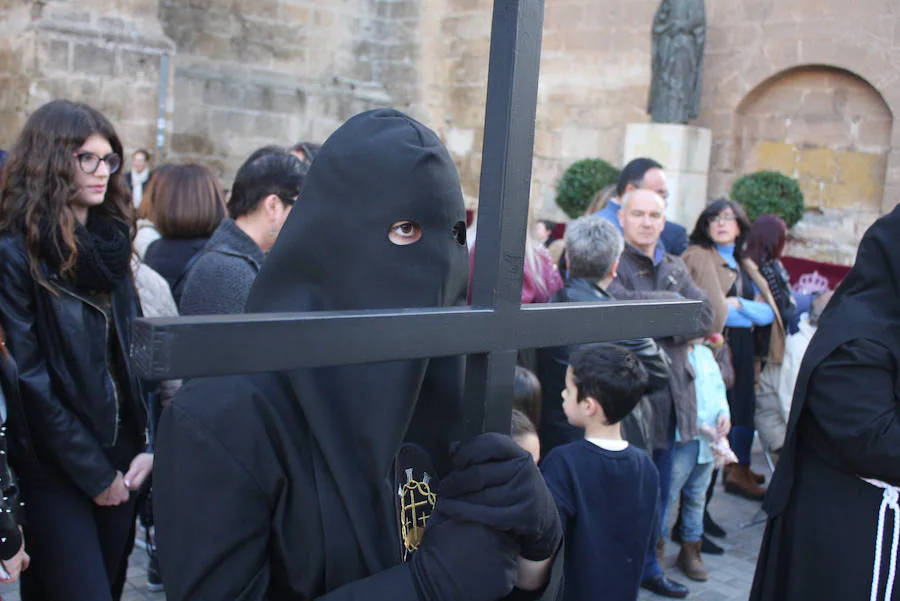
[503, 200]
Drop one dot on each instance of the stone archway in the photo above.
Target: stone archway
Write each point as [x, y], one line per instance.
[831, 130]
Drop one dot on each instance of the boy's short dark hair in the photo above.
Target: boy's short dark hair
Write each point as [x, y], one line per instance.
[269, 170]
[610, 374]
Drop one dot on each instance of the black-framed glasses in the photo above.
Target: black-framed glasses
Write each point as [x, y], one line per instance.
[90, 162]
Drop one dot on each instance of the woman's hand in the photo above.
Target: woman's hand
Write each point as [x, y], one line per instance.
[140, 468]
[733, 302]
[17, 564]
[115, 494]
[723, 426]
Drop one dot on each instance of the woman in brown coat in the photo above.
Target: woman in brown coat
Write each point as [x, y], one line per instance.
[743, 305]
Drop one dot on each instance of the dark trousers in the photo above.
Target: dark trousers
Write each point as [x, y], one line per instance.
[742, 396]
[78, 549]
[662, 458]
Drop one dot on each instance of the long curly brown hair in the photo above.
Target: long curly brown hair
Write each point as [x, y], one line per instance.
[40, 182]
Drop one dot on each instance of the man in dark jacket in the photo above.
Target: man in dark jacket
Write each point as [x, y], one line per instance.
[647, 272]
[265, 189]
[593, 248]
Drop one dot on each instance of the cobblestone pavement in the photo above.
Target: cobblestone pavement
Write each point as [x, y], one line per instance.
[730, 574]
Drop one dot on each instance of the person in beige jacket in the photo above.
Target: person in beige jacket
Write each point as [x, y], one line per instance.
[744, 307]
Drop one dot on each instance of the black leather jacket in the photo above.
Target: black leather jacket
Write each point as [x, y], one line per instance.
[73, 383]
[553, 362]
[10, 505]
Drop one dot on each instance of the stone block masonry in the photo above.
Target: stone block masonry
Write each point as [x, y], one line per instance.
[278, 71]
[282, 71]
[82, 51]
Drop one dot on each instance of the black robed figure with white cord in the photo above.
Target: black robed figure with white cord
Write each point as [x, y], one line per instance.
[319, 483]
[834, 527]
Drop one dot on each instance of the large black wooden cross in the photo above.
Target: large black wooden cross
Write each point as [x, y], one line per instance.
[489, 332]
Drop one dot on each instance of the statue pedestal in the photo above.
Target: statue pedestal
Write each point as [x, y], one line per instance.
[683, 151]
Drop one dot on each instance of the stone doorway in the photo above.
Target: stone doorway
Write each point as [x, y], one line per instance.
[831, 130]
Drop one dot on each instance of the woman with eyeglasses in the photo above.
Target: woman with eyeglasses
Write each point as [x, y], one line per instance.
[77, 440]
[186, 205]
[743, 304]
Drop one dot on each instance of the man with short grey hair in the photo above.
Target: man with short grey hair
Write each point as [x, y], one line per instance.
[593, 247]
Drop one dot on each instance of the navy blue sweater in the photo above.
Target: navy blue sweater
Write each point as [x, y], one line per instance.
[608, 504]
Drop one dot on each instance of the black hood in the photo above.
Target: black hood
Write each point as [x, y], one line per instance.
[334, 254]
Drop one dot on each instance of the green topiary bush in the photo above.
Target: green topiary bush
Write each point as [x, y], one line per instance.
[769, 192]
[580, 182]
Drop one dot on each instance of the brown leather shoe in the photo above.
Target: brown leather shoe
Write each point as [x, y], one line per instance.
[691, 563]
[739, 481]
[758, 478]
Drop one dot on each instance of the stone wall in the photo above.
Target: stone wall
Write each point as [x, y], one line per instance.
[281, 71]
[252, 73]
[242, 74]
[831, 131]
[593, 82]
[595, 74]
[757, 42]
[91, 50]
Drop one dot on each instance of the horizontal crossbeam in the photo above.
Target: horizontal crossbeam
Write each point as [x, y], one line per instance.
[168, 348]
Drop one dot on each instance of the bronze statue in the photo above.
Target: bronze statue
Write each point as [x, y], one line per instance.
[679, 33]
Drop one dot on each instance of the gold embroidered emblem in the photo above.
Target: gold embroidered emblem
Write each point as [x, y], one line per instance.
[416, 504]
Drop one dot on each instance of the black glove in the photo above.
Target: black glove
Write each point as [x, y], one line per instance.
[463, 561]
[496, 483]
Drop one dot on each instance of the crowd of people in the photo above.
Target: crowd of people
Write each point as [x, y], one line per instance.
[351, 482]
[706, 397]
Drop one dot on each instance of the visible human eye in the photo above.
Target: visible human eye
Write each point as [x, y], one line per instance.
[404, 232]
[89, 161]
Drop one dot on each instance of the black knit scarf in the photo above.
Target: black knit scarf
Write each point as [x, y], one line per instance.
[104, 253]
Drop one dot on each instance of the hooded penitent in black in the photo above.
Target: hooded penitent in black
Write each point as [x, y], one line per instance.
[820, 542]
[286, 486]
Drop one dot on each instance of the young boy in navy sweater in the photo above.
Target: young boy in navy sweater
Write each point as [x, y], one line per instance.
[607, 492]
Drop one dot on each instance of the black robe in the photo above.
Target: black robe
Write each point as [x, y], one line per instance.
[285, 487]
[820, 539]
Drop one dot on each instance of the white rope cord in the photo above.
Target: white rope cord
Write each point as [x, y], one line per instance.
[889, 500]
